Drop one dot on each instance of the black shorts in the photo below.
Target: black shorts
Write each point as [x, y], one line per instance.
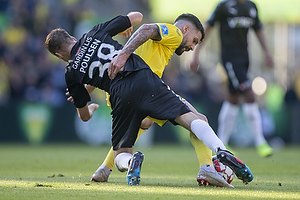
[237, 72]
[136, 96]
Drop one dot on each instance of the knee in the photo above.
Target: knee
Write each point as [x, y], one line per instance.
[201, 116]
[146, 123]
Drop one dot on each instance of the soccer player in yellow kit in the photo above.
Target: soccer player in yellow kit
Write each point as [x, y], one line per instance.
[162, 41]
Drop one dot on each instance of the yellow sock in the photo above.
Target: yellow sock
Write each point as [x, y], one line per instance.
[204, 154]
[109, 160]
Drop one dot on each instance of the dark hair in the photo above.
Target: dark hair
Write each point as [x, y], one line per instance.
[194, 20]
[57, 40]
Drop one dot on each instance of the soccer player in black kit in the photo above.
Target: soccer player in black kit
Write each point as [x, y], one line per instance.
[236, 17]
[135, 93]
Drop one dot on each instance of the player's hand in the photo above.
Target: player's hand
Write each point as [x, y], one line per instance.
[269, 60]
[194, 65]
[117, 64]
[126, 33]
[70, 98]
[93, 107]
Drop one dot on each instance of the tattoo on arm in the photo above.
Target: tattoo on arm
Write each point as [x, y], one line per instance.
[144, 33]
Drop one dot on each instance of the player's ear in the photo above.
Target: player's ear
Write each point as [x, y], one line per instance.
[185, 29]
[74, 38]
[58, 55]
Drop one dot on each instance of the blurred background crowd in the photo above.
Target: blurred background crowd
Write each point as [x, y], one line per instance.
[30, 75]
[28, 72]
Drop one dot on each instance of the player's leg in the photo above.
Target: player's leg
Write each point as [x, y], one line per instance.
[203, 152]
[239, 83]
[123, 157]
[165, 104]
[236, 70]
[126, 121]
[201, 129]
[162, 103]
[253, 117]
[105, 169]
[132, 163]
[226, 119]
[206, 134]
[124, 160]
[207, 174]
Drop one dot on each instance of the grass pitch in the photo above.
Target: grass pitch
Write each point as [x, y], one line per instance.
[63, 171]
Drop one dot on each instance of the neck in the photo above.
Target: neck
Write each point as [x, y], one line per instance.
[66, 54]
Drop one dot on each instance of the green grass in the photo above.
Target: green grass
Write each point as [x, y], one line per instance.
[63, 172]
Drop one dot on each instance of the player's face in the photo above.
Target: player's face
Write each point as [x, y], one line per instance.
[189, 41]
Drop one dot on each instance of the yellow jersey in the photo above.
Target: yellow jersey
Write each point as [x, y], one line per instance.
[157, 54]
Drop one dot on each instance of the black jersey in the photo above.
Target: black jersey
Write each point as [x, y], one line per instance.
[133, 96]
[91, 56]
[235, 19]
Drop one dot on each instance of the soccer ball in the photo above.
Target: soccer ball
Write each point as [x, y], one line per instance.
[223, 170]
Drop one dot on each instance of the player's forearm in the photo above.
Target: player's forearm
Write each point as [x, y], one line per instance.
[200, 45]
[262, 40]
[197, 51]
[144, 33]
[261, 37]
[83, 113]
[86, 113]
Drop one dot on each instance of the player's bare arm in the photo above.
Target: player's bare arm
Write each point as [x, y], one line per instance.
[86, 113]
[135, 18]
[261, 37]
[89, 88]
[144, 33]
[194, 65]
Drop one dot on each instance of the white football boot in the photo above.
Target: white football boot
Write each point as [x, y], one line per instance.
[209, 176]
[101, 174]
